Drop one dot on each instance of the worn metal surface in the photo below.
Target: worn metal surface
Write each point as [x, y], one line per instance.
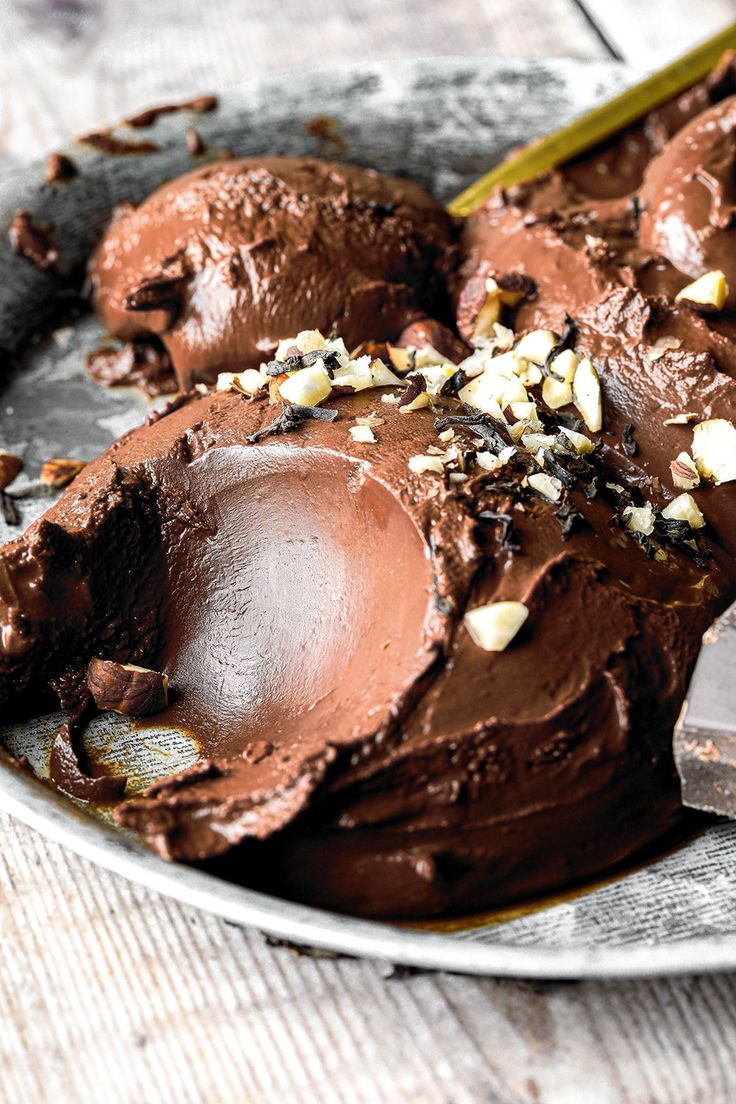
[443, 124]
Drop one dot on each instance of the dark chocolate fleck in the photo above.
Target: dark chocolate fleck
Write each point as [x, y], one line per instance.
[290, 418]
[417, 386]
[627, 440]
[482, 425]
[506, 522]
[567, 341]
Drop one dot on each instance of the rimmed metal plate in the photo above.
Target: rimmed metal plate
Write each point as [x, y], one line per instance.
[442, 122]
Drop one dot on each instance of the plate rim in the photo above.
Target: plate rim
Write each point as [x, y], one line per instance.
[55, 817]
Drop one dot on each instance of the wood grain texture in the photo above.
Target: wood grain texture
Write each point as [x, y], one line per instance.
[76, 64]
[650, 32]
[109, 993]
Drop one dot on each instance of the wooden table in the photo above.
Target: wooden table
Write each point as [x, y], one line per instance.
[109, 993]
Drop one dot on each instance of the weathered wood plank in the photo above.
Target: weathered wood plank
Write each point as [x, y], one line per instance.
[649, 34]
[109, 992]
[70, 67]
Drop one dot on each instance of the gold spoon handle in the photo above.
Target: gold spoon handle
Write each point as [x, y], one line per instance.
[599, 123]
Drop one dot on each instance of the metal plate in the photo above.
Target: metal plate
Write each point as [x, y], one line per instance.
[443, 123]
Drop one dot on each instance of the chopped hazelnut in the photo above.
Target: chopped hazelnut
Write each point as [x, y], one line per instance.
[556, 394]
[59, 471]
[685, 508]
[488, 460]
[548, 486]
[126, 688]
[587, 395]
[640, 519]
[479, 308]
[362, 434]
[247, 383]
[492, 627]
[714, 450]
[10, 467]
[421, 464]
[709, 290]
[579, 441]
[536, 346]
[307, 387]
[684, 472]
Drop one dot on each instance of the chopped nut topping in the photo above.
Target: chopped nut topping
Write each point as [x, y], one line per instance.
[681, 419]
[536, 346]
[248, 382]
[362, 434]
[532, 442]
[661, 346]
[59, 471]
[479, 309]
[548, 486]
[556, 394]
[371, 420]
[402, 359]
[684, 472]
[421, 464]
[579, 441]
[640, 519]
[308, 387]
[709, 290]
[714, 450]
[685, 508]
[587, 395]
[10, 467]
[126, 688]
[488, 460]
[494, 626]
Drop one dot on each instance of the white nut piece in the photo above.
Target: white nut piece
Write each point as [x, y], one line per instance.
[492, 627]
[247, 382]
[307, 341]
[536, 346]
[421, 464]
[685, 474]
[362, 434]
[640, 519]
[709, 290]
[513, 392]
[488, 460]
[481, 393]
[714, 450]
[489, 313]
[534, 441]
[556, 394]
[565, 365]
[357, 374]
[308, 387]
[525, 411]
[685, 508]
[548, 486]
[579, 441]
[586, 389]
[422, 399]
